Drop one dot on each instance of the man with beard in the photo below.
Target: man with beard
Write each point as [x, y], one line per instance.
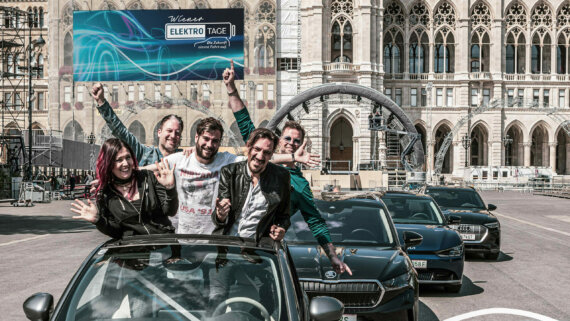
[169, 131]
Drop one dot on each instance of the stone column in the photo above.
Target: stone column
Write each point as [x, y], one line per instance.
[520, 155]
[456, 158]
[430, 155]
[552, 155]
[355, 153]
[527, 153]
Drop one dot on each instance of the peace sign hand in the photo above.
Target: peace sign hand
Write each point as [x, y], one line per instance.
[164, 174]
[87, 212]
[229, 77]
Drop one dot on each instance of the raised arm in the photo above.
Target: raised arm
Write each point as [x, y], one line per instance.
[117, 127]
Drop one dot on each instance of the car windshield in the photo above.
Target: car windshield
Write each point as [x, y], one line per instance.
[456, 198]
[178, 282]
[348, 222]
[412, 210]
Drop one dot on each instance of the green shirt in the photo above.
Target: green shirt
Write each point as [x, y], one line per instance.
[301, 194]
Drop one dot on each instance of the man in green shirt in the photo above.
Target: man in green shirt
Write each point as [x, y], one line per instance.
[290, 143]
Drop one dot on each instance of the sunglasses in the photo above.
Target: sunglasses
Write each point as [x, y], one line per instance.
[295, 141]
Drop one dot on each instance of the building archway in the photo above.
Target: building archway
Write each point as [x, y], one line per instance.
[193, 131]
[440, 134]
[421, 130]
[479, 146]
[539, 155]
[514, 152]
[137, 129]
[562, 148]
[341, 147]
[74, 131]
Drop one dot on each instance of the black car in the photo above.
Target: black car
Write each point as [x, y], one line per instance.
[479, 228]
[181, 277]
[440, 258]
[384, 284]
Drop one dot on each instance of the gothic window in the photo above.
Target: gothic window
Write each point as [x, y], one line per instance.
[541, 16]
[239, 4]
[341, 7]
[137, 129]
[68, 14]
[202, 5]
[68, 50]
[163, 5]
[264, 47]
[135, 5]
[515, 51]
[444, 51]
[516, 16]
[341, 40]
[107, 5]
[73, 131]
[393, 49]
[540, 52]
[393, 15]
[419, 15]
[562, 52]
[480, 41]
[444, 15]
[265, 12]
[419, 48]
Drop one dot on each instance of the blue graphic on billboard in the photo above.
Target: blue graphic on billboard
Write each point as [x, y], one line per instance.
[156, 45]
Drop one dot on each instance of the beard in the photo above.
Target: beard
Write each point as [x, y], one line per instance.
[201, 154]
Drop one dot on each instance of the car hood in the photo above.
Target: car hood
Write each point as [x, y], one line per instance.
[365, 262]
[471, 216]
[435, 238]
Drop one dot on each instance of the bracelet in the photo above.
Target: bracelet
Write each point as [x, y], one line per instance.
[234, 93]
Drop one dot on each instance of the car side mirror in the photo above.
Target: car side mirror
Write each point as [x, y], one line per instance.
[491, 207]
[453, 219]
[325, 308]
[412, 239]
[38, 306]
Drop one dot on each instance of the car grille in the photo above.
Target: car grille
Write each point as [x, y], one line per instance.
[435, 275]
[478, 230]
[351, 294]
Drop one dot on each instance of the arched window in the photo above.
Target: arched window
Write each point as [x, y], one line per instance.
[30, 18]
[419, 46]
[68, 14]
[515, 52]
[73, 131]
[265, 47]
[540, 52]
[562, 52]
[202, 5]
[265, 12]
[393, 47]
[40, 66]
[41, 18]
[135, 5]
[444, 46]
[480, 41]
[193, 131]
[68, 50]
[246, 20]
[137, 129]
[341, 40]
[163, 5]
[36, 18]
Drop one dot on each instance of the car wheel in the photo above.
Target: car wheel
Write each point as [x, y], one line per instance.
[491, 256]
[455, 288]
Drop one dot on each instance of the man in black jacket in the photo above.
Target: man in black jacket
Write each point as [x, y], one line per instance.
[254, 195]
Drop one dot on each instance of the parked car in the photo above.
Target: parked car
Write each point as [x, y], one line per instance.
[175, 277]
[384, 284]
[440, 258]
[479, 228]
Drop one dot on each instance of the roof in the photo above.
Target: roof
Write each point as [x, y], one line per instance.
[191, 239]
[408, 193]
[341, 196]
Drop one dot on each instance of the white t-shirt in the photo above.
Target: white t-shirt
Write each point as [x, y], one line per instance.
[197, 188]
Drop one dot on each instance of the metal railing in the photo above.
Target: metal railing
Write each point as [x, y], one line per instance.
[336, 166]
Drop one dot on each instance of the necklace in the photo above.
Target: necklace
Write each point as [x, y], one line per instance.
[124, 188]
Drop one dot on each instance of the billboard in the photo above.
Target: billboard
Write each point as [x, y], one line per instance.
[157, 45]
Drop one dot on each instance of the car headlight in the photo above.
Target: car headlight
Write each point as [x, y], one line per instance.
[452, 252]
[398, 282]
[492, 225]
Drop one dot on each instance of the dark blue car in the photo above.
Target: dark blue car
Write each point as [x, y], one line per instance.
[440, 257]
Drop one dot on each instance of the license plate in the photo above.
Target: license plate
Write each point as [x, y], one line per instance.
[348, 317]
[420, 264]
[468, 237]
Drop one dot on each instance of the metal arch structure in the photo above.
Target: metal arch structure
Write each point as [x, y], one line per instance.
[414, 145]
[550, 111]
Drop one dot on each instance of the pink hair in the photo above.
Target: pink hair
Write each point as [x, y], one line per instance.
[106, 159]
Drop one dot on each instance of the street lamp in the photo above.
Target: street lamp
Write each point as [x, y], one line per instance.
[466, 141]
[507, 141]
[38, 42]
[91, 141]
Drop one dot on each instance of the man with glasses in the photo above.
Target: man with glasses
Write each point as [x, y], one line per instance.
[291, 143]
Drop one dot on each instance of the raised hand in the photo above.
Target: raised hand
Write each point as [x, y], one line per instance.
[87, 212]
[277, 233]
[164, 174]
[98, 93]
[229, 77]
[222, 208]
[304, 157]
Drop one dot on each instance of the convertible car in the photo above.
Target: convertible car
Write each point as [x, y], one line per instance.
[384, 284]
[185, 277]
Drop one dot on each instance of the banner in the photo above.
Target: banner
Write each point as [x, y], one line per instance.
[157, 45]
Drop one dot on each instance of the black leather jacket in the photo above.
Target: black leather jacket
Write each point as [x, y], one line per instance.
[275, 186]
[118, 217]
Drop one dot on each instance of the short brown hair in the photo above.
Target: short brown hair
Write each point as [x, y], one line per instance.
[295, 125]
[209, 124]
[262, 133]
[169, 117]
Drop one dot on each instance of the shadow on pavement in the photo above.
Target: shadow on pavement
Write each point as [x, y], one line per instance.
[426, 314]
[17, 224]
[475, 257]
[469, 288]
